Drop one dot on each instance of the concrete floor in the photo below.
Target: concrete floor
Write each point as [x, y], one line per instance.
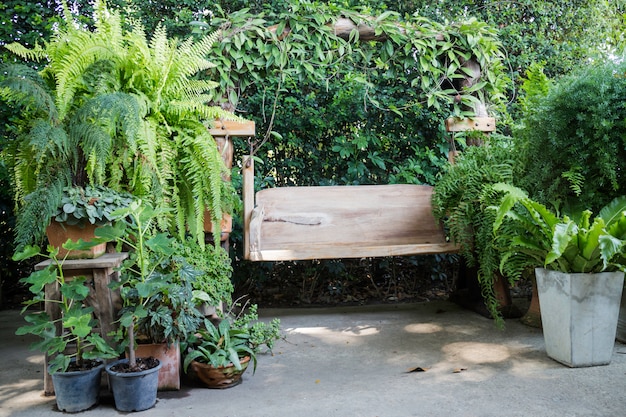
[354, 362]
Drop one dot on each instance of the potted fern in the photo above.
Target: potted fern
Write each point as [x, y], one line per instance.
[103, 109]
[75, 371]
[579, 265]
[461, 199]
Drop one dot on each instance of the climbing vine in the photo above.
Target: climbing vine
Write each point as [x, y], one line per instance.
[457, 66]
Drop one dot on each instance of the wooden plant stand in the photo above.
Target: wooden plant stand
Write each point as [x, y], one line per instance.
[100, 272]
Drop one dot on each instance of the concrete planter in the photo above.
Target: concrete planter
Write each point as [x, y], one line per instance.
[621, 321]
[579, 315]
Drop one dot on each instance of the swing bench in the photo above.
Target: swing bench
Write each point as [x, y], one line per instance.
[332, 222]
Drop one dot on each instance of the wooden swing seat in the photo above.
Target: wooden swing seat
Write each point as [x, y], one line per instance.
[333, 222]
[297, 223]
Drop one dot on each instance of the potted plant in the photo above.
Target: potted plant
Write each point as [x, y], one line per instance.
[80, 212]
[579, 266]
[94, 114]
[219, 354]
[460, 201]
[76, 351]
[157, 296]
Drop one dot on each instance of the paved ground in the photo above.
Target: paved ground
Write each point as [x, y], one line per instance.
[354, 362]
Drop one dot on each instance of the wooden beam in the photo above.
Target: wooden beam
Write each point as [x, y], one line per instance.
[311, 251]
[233, 128]
[343, 27]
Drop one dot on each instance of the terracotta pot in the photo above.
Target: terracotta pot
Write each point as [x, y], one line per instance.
[226, 225]
[169, 356]
[532, 317]
[59, 233]
[222, 377]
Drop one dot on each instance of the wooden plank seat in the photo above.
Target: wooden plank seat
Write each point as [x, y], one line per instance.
[328, 222]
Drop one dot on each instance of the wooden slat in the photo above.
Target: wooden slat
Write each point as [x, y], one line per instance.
[233, 128]
[308, 252]
[483, 124]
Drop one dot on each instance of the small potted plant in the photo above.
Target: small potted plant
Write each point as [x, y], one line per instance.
[76, 371]
[157, 296]
[80, 211]
[579, 265]
[218, 355]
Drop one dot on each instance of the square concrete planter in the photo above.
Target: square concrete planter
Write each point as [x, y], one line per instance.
[579, 315]
[621, 320]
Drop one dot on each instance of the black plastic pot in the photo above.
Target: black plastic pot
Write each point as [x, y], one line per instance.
[133, 391]
[77, 390]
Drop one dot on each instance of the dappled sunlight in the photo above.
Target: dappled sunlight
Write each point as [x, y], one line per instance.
[423, 328]
[477, 352]
[35, 358]
[19, 396]
[333, 336]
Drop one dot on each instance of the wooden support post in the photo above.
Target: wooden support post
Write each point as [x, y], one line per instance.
[248, 200]
[222, 132]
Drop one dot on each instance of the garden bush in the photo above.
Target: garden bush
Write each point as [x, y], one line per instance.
[572, 139]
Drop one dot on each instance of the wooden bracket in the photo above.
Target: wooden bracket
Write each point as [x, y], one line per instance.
[483, 124]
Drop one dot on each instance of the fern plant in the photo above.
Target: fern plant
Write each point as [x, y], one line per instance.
[461, 199]
[112, 107]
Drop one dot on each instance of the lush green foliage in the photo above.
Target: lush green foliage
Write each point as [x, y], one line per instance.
[298, 44]
[530, 236]
[220, 346]
[212, 267]
[76, 320]
[261, 333]
[112, 107]
[461, 200]
[319, 124]
[572, 140]
[157, 292]
[235, 337]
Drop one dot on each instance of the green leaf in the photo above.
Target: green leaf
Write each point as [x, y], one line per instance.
[78, 321]
[39, 279]
[161, 243]
[609, 247]
[59, 364]
[512, 196]
[28, 252]
[75, 289]
[563, 234]
[40, 325]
